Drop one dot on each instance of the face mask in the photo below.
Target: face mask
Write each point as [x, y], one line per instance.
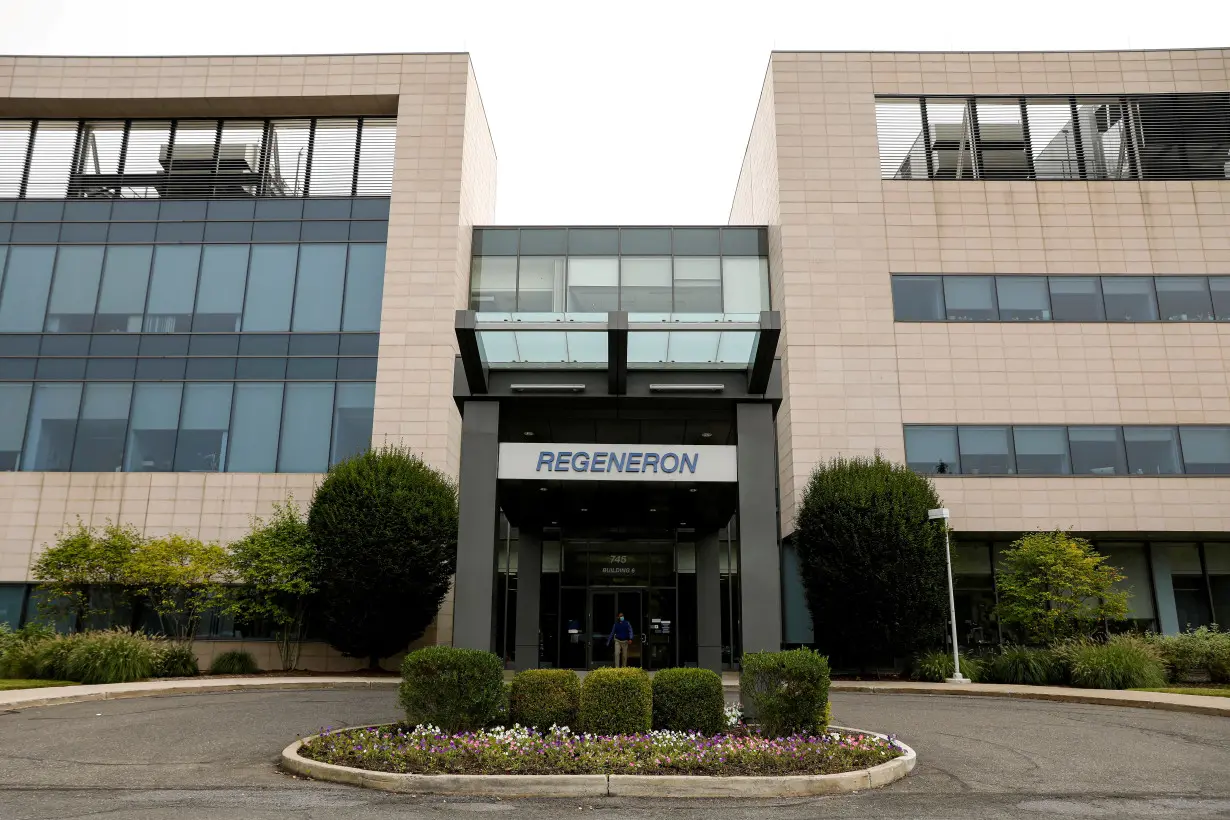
[621, 617]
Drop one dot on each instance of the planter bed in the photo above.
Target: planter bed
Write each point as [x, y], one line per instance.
[517, 751]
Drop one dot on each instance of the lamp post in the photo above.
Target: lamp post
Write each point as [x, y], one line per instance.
[941, 514]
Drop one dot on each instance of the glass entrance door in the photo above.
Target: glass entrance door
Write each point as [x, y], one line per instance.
[605, 605]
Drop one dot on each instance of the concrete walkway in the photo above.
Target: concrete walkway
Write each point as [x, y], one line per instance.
[1199, 704]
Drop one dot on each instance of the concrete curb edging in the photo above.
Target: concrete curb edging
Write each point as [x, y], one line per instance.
[56, 695]
[603, 785]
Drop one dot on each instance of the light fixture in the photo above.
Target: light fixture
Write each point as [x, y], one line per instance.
[706, 435]
[554, 523]
[528, 433]
[585, 509]
[691, 489]
[683, 523]
[542, 489]
[653, 509]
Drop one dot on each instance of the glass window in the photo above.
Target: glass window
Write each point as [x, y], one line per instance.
[1220, 285]
[698, 284]
[276, 231]
[352, 420]
[314, 344]
[1129, 299]
[356, 344]
[219, 298]
[23, 301]
[376, 157]
[1076, 299]
[12, 596]
[985, 451]
[744, 242]
[1023, 298]
[543, 242]
[172, 288]
[1152, 450]
[645, 241]
[99, 446]
[271, 287]
[593, 241]
[52, 428]
[121, 300]
[932, 450]
[1097, 450]
[304, 368]
[212, 368]
[1132, 561]
[74, 290]
[1206, 450]
[201, 446]
[540, 284]
[494, 242]
[228, 231]
[14, 142]
[333, 157]
[593, 285]
[306, 421]
[51, 159]
[1001, 139]
[918, 298]
[645, 284]
[254, 428]
[364, 287]
[220, 209]
[111, 369]
[131, 232]
[1183, 298]
[697, 242]
[84, 232]
[970, 298]
[318, 294]
[1041, 450]
[745, 285]
[60, 369]
[493, 284]
[14, 404]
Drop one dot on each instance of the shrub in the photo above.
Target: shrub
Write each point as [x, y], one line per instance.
[542, 698]
[50, 657]
[936, 666]
[1125, 662]
[110, 657]
[689, 700]
[786, 692]
[19, 650]
[1029, 665]
[234, 663]
[177, 661]
[616, 702]
[1195, 654]
[456, 690]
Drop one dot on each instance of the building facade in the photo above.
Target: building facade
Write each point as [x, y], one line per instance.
[1011, 271]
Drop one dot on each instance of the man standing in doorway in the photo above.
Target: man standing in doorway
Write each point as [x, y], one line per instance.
[621, 633]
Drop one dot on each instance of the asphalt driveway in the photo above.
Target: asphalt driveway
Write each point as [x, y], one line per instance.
[213, 756]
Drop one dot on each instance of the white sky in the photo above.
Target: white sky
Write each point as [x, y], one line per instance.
[606, 113]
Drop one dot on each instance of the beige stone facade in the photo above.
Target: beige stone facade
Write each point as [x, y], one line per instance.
[853, 376]
[443, 182]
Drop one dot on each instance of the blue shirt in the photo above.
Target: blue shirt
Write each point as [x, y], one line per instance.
[622, 631]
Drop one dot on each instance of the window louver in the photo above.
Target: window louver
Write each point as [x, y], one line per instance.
[196, 159]
[1172, 136]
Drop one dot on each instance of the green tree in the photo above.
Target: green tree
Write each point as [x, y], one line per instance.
[179, 578]
[385, 527]
[274, 567]
[1053, 586]
[82, 557]
[872, 565]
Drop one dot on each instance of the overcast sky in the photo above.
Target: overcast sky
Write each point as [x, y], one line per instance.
[605, 113]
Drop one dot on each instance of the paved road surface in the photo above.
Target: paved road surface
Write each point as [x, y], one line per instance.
[207, 757]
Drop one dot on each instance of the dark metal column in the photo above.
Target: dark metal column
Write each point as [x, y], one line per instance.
[708, 603]
[760, 559]
[478, 518]
[529, 584]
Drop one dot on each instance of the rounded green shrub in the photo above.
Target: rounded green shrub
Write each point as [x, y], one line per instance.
[110, 657]
[235, 662]
[542, 698]
[689, 700]
[936, 666]
[1195, 655]
[176, 661]
[456, 690]
[786, 693]
[1125, 662]
[1028, 665]
[616, 702]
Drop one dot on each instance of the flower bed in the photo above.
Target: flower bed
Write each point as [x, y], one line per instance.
[426, 750]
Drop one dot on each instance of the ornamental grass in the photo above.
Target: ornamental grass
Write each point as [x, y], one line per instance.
[427, 750]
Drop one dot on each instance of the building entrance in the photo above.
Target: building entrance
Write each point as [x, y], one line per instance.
[605, 607]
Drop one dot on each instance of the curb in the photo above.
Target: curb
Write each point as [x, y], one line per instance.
[605, 785]
[58, 695]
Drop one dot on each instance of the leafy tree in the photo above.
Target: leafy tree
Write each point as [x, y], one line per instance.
[385, 527]
[179, 578]
[82, 557]
[274, 566]
[1054, 586]
[872, 565]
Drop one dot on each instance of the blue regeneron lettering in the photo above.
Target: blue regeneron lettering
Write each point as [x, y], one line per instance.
[606, 461]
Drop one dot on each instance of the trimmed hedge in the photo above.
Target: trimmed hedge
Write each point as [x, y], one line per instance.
[787, 693]
[616, 702]
[234, 663]
[689, 700]
[455, 690]
[542, 698]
